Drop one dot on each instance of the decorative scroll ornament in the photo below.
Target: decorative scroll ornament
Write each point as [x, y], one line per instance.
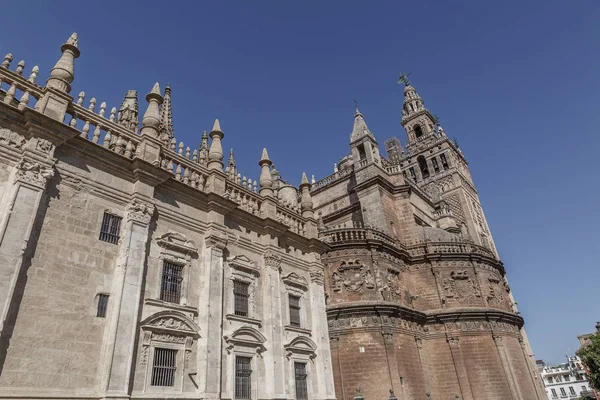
[452, 341]
[33, 173]
[139, 212]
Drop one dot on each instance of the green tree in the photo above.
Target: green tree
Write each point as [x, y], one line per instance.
[590, 355]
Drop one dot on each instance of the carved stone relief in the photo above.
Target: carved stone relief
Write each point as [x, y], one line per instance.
[11, 139]
[140, 212]
[352, 276]
[460, 287]
[33, 173]
[391, 289]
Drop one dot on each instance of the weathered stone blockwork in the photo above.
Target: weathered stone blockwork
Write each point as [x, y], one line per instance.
[189, 231]
[417, 299]
[133, 266]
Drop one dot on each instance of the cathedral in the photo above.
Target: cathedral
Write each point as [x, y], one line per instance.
[136, 267]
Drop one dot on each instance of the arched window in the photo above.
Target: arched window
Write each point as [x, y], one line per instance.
[423, 167]
[418, 131]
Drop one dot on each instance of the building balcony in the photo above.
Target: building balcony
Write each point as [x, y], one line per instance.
[588, 393]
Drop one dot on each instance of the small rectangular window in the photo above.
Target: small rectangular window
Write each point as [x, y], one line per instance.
[572, 390]
[294, 310]
[164, 367]
[413, 176]
[554, 393]
[583, 388]
[301, 386]
[243, 371]
[444, 160]
[102, 305]
[563, 392]
[436, 166]
[240, 298]
[567, 378]
[109, 232]
[171, 282]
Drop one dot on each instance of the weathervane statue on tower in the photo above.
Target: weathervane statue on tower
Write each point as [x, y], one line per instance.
[403, 79]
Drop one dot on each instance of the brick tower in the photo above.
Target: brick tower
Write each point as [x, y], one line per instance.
[417, 298]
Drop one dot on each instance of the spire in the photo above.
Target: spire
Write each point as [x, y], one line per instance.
[360, 128]
[151, 120]
[62, 74]
[266, 181]
[215, 153]
[231, 169]
[306, 202]
[128, 113]
[166, 117]
[203, 149]
[412, 101]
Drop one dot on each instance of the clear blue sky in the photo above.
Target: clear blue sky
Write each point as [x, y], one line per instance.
[515, 81]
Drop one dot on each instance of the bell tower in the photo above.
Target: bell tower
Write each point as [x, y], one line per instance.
[437, 165]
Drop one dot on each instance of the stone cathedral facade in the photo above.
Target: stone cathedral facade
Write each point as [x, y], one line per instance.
[134, 266]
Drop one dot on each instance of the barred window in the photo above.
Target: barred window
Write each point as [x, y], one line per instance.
[240, 297]
[164, 367]
[102, 305]
[171, 282]
[294, 310]
[301, 386]
[109, 232]
[243, 371]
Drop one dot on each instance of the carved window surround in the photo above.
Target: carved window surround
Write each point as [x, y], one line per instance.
[295, 285]
[245, 337]
[168, 330]
[246, 342]
[176, 249]
[242, 269]
[301, 348]
[171, 306]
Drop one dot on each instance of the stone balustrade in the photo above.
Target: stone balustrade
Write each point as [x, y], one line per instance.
[243, 197]
[290, 219]
[359, 235]
[328, 180]
[21, 91]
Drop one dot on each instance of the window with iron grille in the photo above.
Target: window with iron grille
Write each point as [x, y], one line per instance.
[301, 386]
[102, 305]
[171, 282]
[294, 310]
[164, 367]
[109, 232]
[243, 371]
[240, 298]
